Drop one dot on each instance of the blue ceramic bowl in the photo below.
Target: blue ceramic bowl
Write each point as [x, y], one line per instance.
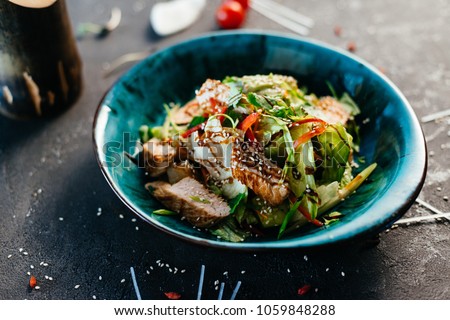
[392, 138]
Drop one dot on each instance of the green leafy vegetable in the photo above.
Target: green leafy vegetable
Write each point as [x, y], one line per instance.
[235, 92]
[145, 133]
[196, 121]
[288, 218]
[335, 147]
[229, 230]
[350, 105]
[348, 189]
[236, 201]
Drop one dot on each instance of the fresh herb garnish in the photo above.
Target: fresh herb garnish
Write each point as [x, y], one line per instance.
[196, 121]
[234, 203]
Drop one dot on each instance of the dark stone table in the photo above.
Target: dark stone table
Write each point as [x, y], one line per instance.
[51, 186]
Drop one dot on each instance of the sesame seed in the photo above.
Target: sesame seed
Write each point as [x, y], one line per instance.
[61, 219]
[225, 273]
[45, 264]
[151, 268]
[183, 271]
[31, 266]
[94, 297]
[39, 191]
[99, 209]
[37, 288]
[289, 270]
[243, 271]
[42, 262]
[327, 269]
[21, 249]
[343, 273]
[50, 278]
[77, 286]
[28, 273]
[133, 220]
[305, 257]
[25, 253]
[100, 278]
[146, 271]
[99, 214]
[9, 256]
[121, 216]
[122, 281]
[137, 228]
[46, 277]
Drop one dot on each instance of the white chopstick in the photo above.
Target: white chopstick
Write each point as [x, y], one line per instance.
[425, 218]
[436, 116]
[200, 283]
[286, 12]
[430, 207]
[289, 24]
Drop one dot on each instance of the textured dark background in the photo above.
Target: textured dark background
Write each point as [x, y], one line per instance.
[51, 187]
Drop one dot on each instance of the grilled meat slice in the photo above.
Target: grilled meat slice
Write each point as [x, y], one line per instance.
[213, 96]
[187, 112]
[332, 110]
[189, 197]
[258, 173]
[158, 156]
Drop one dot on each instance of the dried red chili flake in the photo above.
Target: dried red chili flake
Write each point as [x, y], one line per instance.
[337, 31]
[351, 46]
[32, 282]
[304, 290]
[172, 295]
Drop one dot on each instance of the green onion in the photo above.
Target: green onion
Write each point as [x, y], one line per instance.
[198, 199]
[288, 218]
[165, 212]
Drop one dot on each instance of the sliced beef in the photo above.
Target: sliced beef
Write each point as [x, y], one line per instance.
[194, 201]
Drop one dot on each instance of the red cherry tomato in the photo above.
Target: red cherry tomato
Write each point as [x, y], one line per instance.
[244, 3]
[230, 15]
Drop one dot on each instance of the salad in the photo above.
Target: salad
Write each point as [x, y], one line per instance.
[254, 155]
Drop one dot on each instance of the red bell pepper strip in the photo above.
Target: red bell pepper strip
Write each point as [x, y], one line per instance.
[193, 129]
[305, 213]
[317, 130]
[308, 120]
[246, 124]
[309, 135]
[249, 134]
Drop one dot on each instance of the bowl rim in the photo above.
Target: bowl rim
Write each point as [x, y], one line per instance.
[389, 219]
